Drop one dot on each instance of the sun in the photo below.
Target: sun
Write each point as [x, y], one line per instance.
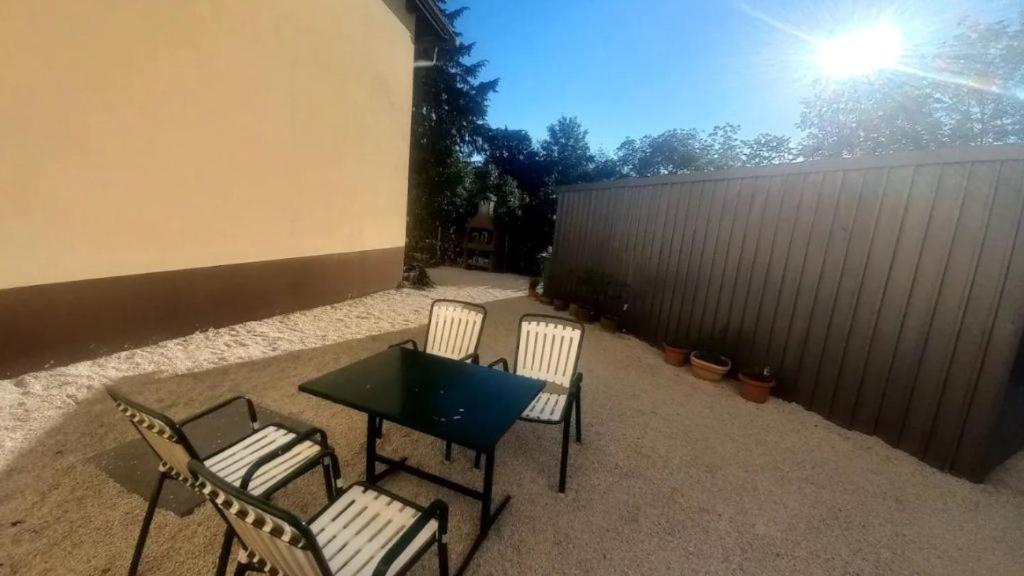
[861, 52]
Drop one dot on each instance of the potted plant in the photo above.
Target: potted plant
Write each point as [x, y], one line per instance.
[709, 361]
[676, 351]
[756, 383]
[534, 283]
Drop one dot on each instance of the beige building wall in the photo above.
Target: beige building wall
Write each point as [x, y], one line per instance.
[143, 136]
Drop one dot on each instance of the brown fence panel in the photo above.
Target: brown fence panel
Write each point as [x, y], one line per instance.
[887, 292]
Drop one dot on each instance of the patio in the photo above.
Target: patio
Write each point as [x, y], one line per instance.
[675, 475]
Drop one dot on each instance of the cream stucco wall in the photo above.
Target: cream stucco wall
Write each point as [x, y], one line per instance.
[140, 136]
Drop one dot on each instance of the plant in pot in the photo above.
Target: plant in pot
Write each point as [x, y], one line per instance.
[756, 383]
[710, 361]
[676, 351]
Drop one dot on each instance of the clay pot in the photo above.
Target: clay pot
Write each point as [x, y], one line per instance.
[582, 312]
[755, 390]
[610, 323]
[534, 283]
[706, 370]
[561, 304]
[675, 354]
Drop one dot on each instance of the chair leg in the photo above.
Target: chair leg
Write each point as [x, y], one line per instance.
[332, 472]
[448, 451]
[140, 543]
[476, 461]
[380, 428]
[442, 557]
[225, 552]
[566, 425]
[579, 417]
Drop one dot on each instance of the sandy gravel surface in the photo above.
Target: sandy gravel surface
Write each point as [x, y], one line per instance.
[33, 402]
[674, 476]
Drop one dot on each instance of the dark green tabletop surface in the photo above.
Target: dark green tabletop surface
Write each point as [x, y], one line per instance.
[473, 406]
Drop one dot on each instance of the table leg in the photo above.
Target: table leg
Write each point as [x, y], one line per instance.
[371, 449]
[485, 504]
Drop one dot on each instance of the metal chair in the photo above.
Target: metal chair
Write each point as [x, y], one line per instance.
[548, 349]
[365, 531]
[453, 331]
[262, 462]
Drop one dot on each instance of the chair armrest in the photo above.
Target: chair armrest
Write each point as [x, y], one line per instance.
[301, 470]
[502, 361]
[404, 342]
[220, 406]
[438, 510]
[471, 357]
[576, 384]
[279, 451]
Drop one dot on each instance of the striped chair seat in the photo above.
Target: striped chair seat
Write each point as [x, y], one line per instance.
[355, 531]
[546, 407]
[232, 462]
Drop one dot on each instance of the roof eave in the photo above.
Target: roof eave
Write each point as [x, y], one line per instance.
[429, 11]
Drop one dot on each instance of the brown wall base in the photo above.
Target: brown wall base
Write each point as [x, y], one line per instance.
[56, 324]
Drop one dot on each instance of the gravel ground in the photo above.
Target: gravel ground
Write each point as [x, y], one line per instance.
[674, 476]
[33, 402]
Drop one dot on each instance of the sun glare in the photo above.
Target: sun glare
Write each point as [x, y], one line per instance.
[861, 52]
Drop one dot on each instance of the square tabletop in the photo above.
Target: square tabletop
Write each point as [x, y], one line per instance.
[471, 405]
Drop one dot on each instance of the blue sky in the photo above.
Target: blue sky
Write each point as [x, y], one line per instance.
[633, 67]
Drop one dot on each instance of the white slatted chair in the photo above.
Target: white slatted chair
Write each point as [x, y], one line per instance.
[453, 331]
[548, 349]
[365, 531]
[262, 462]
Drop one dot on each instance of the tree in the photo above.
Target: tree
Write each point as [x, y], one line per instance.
[765, 149]
[567, 152]
[449, 111]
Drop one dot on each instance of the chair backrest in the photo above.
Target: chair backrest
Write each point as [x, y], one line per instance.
[162, 434]
[277, 537]
[454, 329]
[548, 348]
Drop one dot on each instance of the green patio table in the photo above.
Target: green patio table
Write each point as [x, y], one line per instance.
[464, 403]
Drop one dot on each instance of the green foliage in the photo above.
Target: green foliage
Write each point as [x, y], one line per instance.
[449, 112]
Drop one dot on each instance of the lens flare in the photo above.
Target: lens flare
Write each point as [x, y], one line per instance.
[861, 52]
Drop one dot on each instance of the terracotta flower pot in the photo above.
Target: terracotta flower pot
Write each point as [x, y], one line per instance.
[610, 323]
[674, 354]
[708, 370]
[755, 390]
[561, 304]
[534, 283]
[582, 312]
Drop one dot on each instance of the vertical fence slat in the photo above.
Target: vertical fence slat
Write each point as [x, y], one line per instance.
[980, 313]
[923, 296]
[895, 298]
[880, 256]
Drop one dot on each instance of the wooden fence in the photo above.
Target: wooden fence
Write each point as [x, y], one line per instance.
[888, 292]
